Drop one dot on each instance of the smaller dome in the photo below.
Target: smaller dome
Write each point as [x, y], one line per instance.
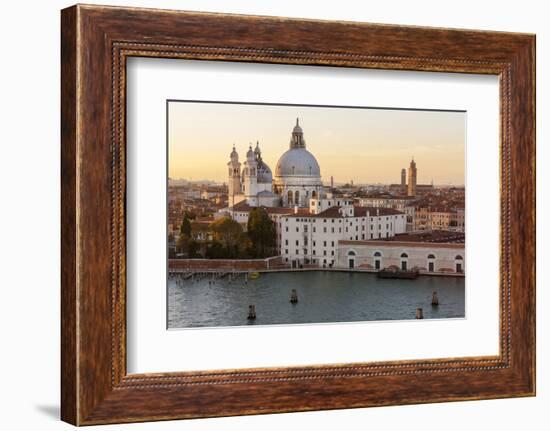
[264, 173]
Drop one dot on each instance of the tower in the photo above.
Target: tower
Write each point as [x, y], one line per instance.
[234, 180]
[250, 174]
[331, 182]
[412, 179]
[403, 180]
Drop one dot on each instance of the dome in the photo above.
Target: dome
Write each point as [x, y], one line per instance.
[297, 162]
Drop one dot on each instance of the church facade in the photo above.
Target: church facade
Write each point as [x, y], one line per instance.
[297, 176]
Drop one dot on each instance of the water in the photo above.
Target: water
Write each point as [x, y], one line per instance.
[324, 296]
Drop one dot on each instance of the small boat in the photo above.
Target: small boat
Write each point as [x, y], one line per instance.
[254, 275]
[405, 274]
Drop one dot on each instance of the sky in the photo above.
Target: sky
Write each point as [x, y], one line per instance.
[366, 145]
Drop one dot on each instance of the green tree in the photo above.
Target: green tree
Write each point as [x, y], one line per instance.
[185, 228]
[228, 233]
[261, 231]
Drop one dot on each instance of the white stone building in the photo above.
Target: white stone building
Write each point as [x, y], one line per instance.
[442, 258]
[312, 238]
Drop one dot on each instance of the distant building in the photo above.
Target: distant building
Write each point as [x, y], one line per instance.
[403, 179]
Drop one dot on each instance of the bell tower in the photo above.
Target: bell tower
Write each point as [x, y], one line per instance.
[234, 172]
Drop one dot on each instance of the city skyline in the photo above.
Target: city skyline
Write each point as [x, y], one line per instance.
[365, 145]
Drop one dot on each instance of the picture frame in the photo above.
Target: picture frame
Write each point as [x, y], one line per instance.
[96, 42]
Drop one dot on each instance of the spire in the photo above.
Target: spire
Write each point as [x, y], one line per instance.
[297, 121]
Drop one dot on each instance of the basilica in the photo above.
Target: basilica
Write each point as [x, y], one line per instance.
[297, 177]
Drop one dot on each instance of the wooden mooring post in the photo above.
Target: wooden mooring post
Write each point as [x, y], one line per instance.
[435, 299]
[294, 297]
[419, 313]
[251, 312]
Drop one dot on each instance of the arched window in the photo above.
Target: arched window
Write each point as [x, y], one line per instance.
[290, 197]
[431, 256]
[458, 257]
[351, 253]
[297, 197]
[377, 254]
[404, 255]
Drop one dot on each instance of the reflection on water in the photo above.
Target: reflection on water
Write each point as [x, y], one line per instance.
[323, 296]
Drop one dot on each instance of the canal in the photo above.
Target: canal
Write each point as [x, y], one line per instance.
[323, 296]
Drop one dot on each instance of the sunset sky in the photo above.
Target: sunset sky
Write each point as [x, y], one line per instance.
[363, 145]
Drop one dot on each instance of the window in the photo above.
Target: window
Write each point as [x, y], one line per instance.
[286, 250]
[313, 243]
[286, 241]
[324, 243]
[404, 255]
[314, 230]
[431, 256]
[286, 228]
[297, 242]
[297, 251]
[332, 243]
[332, 230]
[458, 257]
[325, 230]
[324, 252]
[305, 228]
[377, 254]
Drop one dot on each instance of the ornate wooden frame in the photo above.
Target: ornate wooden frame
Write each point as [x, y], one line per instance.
[95, 43]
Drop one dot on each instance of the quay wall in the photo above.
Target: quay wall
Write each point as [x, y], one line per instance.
[226, 264]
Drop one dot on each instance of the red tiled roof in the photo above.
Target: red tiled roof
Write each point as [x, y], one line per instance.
[244, 207]
[334, 212]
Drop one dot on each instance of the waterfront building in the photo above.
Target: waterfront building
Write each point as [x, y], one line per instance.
[435, 258]
[312, 238]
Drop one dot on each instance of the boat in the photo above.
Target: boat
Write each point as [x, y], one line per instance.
[254, 275]
[405, 274]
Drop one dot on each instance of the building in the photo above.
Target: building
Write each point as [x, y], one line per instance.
[436, 258]
[312, 238]
[297, 176]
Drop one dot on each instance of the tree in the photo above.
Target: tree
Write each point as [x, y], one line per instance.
[185, 228]
[228, 233]
[261, 231]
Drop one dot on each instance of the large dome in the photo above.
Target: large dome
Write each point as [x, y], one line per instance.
[297, 162]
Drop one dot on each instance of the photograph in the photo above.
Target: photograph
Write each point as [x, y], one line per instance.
[303, 214]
